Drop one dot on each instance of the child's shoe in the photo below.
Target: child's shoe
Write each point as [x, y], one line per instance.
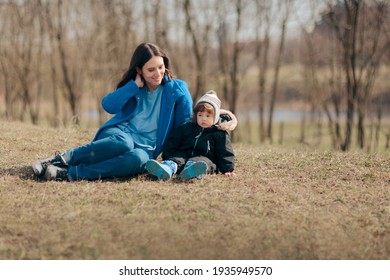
[194, 169]
[163, 170]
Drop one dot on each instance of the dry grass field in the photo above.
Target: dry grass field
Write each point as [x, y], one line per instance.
[285, 203]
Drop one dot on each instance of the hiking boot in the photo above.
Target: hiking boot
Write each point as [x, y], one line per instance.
[55, 173]
[163, 170]
[39, 166]
[194, 169]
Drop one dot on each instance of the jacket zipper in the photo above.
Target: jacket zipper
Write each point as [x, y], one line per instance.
[196, 141]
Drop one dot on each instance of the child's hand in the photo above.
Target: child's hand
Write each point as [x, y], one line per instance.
[230, 174]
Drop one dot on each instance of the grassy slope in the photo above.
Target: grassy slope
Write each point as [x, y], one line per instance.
[284, 203]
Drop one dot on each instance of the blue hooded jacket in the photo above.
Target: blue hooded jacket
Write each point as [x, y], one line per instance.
[176, 107]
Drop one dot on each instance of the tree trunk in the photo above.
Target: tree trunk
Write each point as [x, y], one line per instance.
[200, 56]
[262, 53]
[274, 90]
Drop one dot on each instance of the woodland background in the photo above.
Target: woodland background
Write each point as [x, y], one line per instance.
[328, 60]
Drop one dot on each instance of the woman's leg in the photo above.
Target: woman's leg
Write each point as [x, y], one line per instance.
[128, 164]
[112, 143]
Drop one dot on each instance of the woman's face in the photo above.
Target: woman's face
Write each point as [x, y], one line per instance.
[153, 72]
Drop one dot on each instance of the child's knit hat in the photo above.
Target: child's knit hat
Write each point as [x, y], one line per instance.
[211, 98]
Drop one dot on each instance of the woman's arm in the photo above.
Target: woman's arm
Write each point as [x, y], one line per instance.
[113, 102]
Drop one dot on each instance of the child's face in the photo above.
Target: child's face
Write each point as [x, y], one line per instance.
[205, 119]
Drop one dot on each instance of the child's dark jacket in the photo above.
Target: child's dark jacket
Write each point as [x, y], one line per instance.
[190, 140]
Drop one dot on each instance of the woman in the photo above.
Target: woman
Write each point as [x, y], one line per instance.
[147, 105]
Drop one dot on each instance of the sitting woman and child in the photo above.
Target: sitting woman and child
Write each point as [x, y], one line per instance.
[149, 105]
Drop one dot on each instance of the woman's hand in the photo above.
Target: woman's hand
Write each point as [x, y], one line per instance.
[229, 125]
[139, 81]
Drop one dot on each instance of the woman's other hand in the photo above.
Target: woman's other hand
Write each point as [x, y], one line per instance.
[228, 125]
[139, 81]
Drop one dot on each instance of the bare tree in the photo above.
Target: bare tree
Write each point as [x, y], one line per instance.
[200, 44]
[373, 47]
[107, 48]
[286, 5]
[236, 57]
[263, 16]
[361, 53]
[57, 21]
[320, 89]
[230, 66]
[229, 49]
[6, 80]
[21, 58]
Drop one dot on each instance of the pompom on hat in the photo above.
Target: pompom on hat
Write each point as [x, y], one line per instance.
[211, 98]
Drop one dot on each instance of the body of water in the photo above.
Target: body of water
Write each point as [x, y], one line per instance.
[289, 115]
[252, 114]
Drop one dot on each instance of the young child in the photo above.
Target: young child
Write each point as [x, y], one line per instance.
[197, 147]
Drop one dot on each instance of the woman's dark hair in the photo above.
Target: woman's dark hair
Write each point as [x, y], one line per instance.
[142, 54]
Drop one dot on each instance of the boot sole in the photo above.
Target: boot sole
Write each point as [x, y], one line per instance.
[154, 168]
[37, 168]
[198, 168]
[51, 174]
